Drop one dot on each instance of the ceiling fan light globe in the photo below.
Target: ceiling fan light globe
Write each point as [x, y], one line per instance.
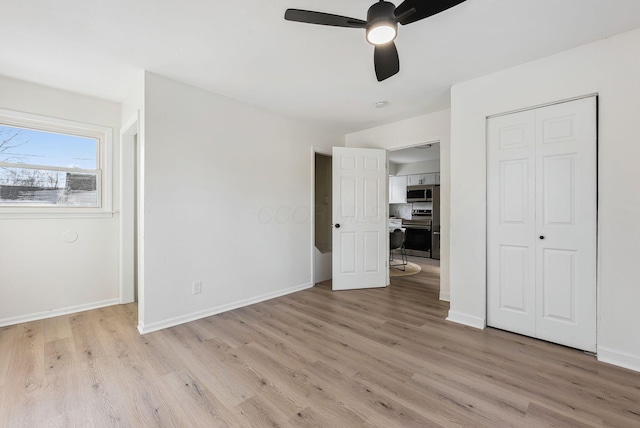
[382, 34]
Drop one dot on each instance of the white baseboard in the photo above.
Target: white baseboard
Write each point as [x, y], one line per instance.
[445, 297]
[57, 312]
[617, 358]
[470, 320]
[171, 322]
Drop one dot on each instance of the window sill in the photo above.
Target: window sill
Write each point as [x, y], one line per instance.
[53, 213]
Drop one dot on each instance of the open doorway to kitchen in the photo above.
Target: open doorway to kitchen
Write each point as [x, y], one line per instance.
[415, 207]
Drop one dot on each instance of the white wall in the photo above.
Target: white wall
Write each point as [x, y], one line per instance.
[610, 68]
[417, 167]
[227, 202]
[40, 274]
[392, 168]
[418, 130]
[134, 103]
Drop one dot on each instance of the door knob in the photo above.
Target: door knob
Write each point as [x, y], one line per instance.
[541, 236]
[337, 226]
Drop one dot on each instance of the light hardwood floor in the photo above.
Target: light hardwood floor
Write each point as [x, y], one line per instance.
[371, 358]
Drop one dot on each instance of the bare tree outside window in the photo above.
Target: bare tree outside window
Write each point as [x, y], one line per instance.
[9, 141]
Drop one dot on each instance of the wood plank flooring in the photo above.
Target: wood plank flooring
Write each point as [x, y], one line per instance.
[369, 358]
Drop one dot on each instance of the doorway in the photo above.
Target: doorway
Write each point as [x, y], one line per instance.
[322, 202]
[418, 212]
[131, 228]
[359, 244]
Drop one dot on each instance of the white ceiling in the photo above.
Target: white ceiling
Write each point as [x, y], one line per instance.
[246, 50]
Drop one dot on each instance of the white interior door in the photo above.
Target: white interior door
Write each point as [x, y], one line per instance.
[360, 230]
[541, 223]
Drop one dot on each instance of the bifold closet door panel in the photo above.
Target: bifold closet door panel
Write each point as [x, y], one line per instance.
[566, 216]
[511, 223]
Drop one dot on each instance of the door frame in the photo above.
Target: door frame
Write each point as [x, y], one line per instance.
[131, 137]
[328, 152]
[486, 148]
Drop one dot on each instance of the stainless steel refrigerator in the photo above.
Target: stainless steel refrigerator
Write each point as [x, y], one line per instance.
[435, 224]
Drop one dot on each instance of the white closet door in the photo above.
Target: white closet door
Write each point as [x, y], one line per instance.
[541, 223]
[566, 204]
[511, 223]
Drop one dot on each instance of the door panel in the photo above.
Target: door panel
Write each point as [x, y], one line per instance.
[517, 135]
[558, 129]
[348, 197]
[371, 252]
[372, 201]
[348, 162]
[558, 190]
[559, 285]
[359, 208]
[372, 163]
[513, 280]
[514, 191]
[347, 253]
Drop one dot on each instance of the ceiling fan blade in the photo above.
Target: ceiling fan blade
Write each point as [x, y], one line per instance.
[424, 9]
[320, 18]
[386, 61]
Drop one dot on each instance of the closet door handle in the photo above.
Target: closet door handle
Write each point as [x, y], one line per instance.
[541, 236]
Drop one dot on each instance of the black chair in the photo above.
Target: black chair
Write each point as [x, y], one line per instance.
[396, 242]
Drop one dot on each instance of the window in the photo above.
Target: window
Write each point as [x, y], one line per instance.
[53, 166]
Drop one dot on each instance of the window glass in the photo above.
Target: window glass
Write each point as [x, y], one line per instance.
[32, 147]
[41, 168]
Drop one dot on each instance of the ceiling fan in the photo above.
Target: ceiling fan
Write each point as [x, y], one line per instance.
[381, 26]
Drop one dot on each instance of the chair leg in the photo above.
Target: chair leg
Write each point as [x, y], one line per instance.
[403, 258]
[403, 254]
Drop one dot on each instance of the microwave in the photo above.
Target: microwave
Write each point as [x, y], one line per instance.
[419, 193]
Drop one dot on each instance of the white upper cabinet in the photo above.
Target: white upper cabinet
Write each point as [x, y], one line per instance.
[430, 178]
[417, 179]
[398, 189]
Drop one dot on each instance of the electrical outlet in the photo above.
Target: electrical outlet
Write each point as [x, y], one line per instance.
[196, 287]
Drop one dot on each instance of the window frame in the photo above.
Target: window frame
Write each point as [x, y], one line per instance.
[104, 153]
